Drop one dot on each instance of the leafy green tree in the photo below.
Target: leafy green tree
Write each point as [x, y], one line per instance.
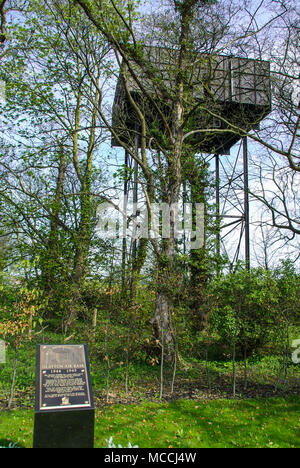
[18, 322]
[48, 169]
[246, 308]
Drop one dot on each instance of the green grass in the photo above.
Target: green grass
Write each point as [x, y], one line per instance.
[256, 423]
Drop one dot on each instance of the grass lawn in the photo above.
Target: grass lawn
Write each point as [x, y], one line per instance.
[256, 423]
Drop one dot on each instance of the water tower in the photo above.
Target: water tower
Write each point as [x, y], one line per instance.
[231, 96]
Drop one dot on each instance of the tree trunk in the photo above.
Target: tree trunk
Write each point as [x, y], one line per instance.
[161, 324]
[164, 306]
[12, 387]
[199, 274]
[51, 261]
[86, 204]
[84, 232]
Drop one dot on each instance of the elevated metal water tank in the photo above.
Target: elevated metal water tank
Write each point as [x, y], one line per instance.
[229, 95]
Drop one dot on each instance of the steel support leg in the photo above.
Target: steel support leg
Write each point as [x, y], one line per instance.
[246, 203]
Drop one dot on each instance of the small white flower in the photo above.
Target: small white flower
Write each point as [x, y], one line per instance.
[110, 444]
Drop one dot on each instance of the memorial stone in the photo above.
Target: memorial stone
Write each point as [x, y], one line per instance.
[64, 413]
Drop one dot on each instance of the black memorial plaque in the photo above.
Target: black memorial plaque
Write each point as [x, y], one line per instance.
[64, 415]
[63, 379]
